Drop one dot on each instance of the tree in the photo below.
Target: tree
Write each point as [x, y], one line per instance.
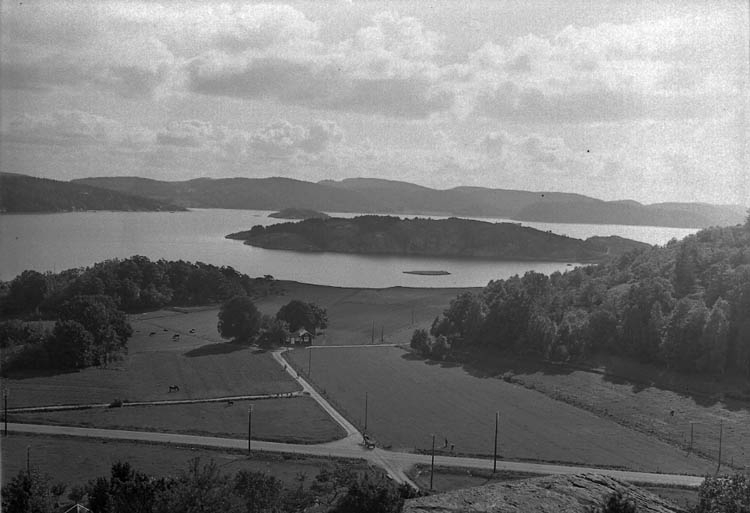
[71, 346]
[261, 493]
[367, 496]
[272, 332]
[28, 492]
[298, 314]
[199, 489]
[239, 319]
[724, 494]
[27, 290]
[100, 316]
[716, 338]
[420, 341]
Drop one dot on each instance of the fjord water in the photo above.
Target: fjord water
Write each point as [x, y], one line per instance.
[54, 242]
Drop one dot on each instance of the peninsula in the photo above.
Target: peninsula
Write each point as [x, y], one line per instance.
[299, 213]
[462, 238]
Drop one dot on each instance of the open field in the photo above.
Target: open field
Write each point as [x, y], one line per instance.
[298, 419]
[199, 365]
[662, 412]
[352, 312]
[75, 461]
[410, 399]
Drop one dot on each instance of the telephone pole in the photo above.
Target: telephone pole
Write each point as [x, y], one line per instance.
[372, 334]
[365, 412]
[721, 433]
[249, 426]
[432, 462]
[309, 360]
[494, 459]
[5, 399]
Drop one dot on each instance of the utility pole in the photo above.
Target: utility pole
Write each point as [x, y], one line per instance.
[381, 333]
[494, 459]
[365, 412]
[432, 463]
[5, 399]
[249, 426]
[372, 334]
[721, 433]
[309, 360]
[691, 437]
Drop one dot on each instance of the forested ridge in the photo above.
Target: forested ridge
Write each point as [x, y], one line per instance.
[20, 193]
[87, 307]
[684, 306]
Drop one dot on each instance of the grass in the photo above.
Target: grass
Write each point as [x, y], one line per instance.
[298, 419]
[663, 412]
[446, 479]
[199, 363]
[409, 399]
[75, 461]
[352, 312]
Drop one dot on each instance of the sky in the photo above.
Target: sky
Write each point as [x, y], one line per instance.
[624, 99]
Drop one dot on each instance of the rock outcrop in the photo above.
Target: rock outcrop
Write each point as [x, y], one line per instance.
[582, 493]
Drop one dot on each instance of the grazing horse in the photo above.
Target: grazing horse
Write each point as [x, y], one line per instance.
[174, 388]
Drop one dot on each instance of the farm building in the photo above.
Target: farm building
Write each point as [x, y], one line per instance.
[301, 337]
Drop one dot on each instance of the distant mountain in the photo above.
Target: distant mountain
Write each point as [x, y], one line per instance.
[371, 195]
[387, 235]
[21, 193]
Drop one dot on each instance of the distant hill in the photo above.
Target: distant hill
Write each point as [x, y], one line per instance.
[21, 193]
[299, 213]
[371, 195]
[385, 235]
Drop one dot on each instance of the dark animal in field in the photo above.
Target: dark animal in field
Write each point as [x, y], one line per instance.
[152, 334]
[165, 329]
[175, 336]
[671, 413]
[230, 402]
[192, 330]
[174, 388]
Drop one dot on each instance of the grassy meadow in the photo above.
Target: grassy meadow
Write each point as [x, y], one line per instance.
[410, 399]
[278, 420]
[75, 461]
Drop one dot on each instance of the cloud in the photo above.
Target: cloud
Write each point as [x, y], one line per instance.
[74, 128]
[384, 69]
[284, 140]
[394, 66]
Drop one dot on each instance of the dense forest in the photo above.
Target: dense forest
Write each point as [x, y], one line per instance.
[87, 307]
[685, 306]
[388, 235]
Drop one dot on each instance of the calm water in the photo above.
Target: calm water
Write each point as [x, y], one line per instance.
[53, 242]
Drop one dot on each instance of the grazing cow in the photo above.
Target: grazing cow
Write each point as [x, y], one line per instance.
[174, 388]
[192, 330]
[230, 402]
[152, 334]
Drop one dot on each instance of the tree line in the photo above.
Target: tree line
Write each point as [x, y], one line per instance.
[204, 488]
[684, 306]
